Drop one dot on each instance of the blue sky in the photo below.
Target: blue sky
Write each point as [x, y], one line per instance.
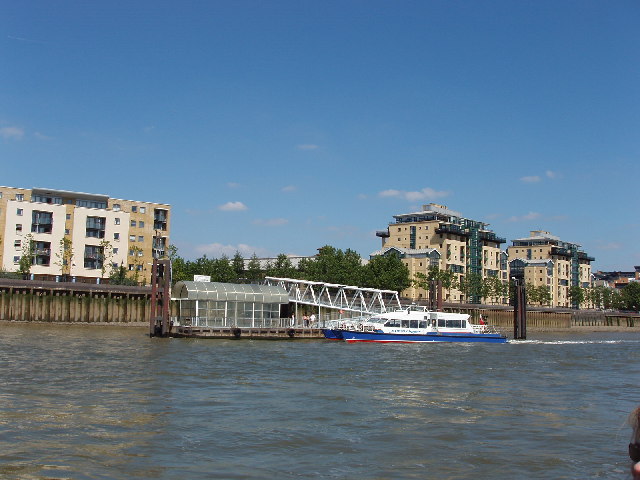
[282, 126]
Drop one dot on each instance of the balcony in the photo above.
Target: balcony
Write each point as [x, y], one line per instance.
[382, 233]
[453, 229]
[584, 256]
[492, 237]
[560, 252]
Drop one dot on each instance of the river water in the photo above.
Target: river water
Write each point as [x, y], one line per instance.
[110, 403]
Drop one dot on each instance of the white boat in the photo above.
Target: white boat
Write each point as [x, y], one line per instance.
[417, 324]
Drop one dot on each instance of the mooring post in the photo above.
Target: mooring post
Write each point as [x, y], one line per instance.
[519, 312]
[160, 298]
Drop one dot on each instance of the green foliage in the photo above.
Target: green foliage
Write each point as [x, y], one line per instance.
[576, 294]
[630, 296]
[386, 272]
[105, 256]
[332, 265]
[119, 277]
[254, 271]
[64, 256]
[281, 267]
[26, 260]
[237, 263]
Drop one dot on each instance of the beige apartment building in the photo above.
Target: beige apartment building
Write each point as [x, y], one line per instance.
[103, 233]
[444, 238]
[544, 259]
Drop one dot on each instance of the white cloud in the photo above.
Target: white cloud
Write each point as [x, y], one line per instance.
[289, 188]
[233, 184]
[42, 137]
[307, 146]
[233, 207]
[12, 133]
[271, 222]
[610, 246]
[524, 218]
[530, 179]
[552, 175]
[216, 250]
[424, 194]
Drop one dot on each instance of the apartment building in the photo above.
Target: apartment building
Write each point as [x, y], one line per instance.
[544, 259]
[80, 235]
[444, 238]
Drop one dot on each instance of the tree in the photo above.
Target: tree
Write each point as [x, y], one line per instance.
[446, 277]
[386, 272]
[630, 294]
[332, 265]
[105, 255]
[119, 277]
[136, 253]
[222, 270]
[282, 267]
[472, 285]
[26, 260]
[178, 265]
[576, 294]
[238, 265]
[254, 272]
[64, 256]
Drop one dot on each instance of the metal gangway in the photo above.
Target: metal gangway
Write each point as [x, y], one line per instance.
[343, 298]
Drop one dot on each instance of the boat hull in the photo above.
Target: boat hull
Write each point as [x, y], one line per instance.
[332, 334]
[379, 337]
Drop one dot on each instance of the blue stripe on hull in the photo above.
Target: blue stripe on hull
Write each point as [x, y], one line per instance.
[332, 334]
[351, 337]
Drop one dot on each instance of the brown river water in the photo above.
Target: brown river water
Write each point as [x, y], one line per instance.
[80, 402]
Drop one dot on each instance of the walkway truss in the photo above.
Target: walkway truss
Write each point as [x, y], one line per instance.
[366, 301]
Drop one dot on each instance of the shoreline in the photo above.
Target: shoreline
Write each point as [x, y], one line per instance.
[573, 329]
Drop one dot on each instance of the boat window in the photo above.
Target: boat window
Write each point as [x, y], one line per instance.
[405, 323]
[423, 324]
[454, 323]
[392, 323]
[442, 322]
[413, 324]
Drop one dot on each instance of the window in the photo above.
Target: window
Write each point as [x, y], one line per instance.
[68, 216]
[141, 238]
[19, 197]
[143, 209]
[131, 266]
[116, 221]
[141, 224]
[16, 260]
[17, 244]
[18, 228]
[19, 212]
[91, 204]
[41, 222]
[132, 238]
[66, 231]
[116, 236]
[116, 207]
[0, 194]
[140, 253]
[115, 251]
[93, 257]
[96, 227]
[134, 209]
[133, 223]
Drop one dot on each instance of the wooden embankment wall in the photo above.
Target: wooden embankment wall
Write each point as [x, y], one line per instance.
[25, 300]
[547, 318]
